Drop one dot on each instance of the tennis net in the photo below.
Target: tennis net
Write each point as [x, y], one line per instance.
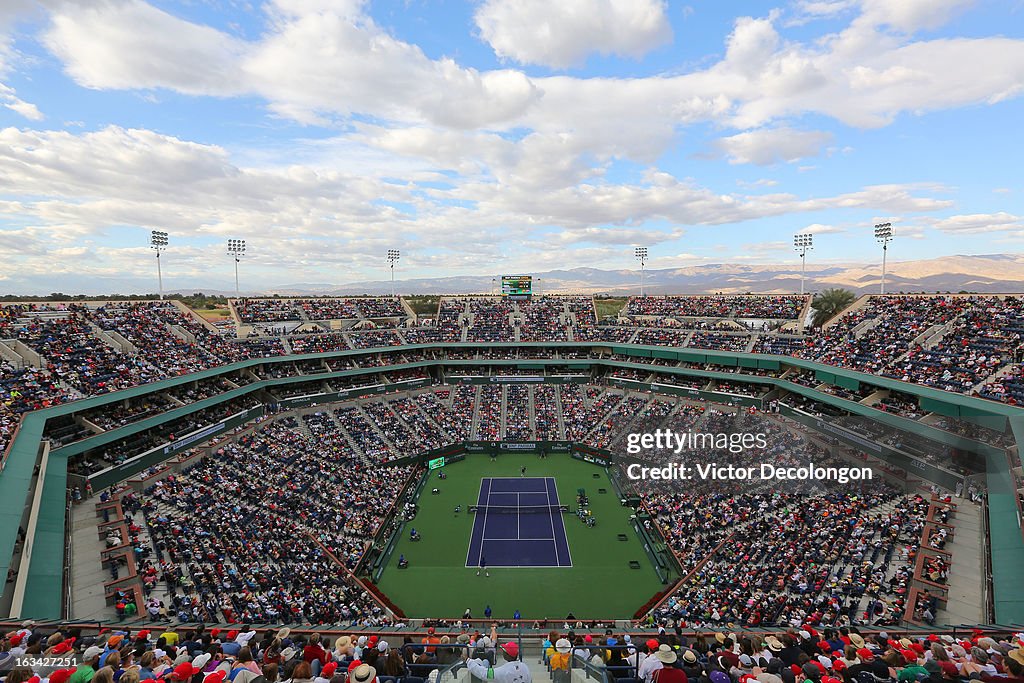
[518, 509]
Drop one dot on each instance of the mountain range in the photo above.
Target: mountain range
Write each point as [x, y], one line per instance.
[985, 273]
[988, 273]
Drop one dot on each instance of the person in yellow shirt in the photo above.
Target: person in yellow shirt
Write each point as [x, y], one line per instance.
[559, 659]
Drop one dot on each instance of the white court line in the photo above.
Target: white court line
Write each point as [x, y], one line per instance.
[551, 519]
[562, 520]
[519, 507]
[483, 527]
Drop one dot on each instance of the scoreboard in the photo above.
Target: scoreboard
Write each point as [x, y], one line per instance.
[517, 286]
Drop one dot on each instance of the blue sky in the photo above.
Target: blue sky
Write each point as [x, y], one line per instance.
[498, 135]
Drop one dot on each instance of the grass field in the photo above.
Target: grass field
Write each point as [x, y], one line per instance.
[424, 304]
[214, 313]
[608, 305]
[600, 584]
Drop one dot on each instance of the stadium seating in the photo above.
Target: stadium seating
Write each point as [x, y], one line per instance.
[965, 344]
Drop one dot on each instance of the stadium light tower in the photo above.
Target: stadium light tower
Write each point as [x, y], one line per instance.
[158, 242]
[883, 233]
[236, 250]
[393, 256]
[803, 243]
[641, 254]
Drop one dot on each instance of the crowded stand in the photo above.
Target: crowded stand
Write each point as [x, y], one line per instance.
[950, 342]
[360, 430]
[621, 335]
[546, 412]
[132, 410]
[868, 338]
[543, 319]
[488, 413]
[318, 343]
[23, 390]
[981, 340]
[119, 451]
[582, 309]
[266, 565]
[656, 336]
[450, 318]
[880, 333]
[449, 410]
[428, 334]
[266, 310]
[719, 306]
[719, 341]
[384, 307]
[328, 309]
[491, 320]
[1008, 388]
[842, 548]
[374, 339]
[230, 536]
[517, 413]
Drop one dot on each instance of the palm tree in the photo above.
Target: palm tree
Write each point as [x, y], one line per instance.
[830, 303]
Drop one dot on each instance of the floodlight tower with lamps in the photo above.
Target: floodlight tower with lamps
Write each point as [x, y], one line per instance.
[393, 257]
[883, 233]
[236, 250]
[641, 254]
[803, 243]
[158, 242]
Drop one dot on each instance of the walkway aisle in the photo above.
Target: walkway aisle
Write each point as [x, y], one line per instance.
[966, 599]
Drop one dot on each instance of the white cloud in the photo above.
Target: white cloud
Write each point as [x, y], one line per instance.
[317, 60]
[562, 34]
[771, 145]
[128, 44]
[760, 182]
[10, 100]
[911, 15]
[820, 229]
[79, 185]
[821, 9]
[978, 223]
[10, 12]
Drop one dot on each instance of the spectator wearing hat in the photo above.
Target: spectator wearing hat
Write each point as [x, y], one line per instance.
[561, 651]
[689, 662]
[182, 672]
[362, 673]
[662, 654]
[669, 672]
[90, 663]
[328, 672]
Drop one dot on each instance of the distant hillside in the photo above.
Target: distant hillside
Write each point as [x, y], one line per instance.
[990, 273]
[987, 273]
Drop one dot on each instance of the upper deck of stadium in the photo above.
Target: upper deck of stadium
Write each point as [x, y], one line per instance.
[113, 379]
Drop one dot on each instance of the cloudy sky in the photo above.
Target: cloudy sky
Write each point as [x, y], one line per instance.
[498, 135]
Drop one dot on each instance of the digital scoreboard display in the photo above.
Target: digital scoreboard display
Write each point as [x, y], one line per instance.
[435, 463]
[517, 286]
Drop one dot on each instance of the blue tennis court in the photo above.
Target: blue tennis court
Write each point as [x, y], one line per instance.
[518, 524]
